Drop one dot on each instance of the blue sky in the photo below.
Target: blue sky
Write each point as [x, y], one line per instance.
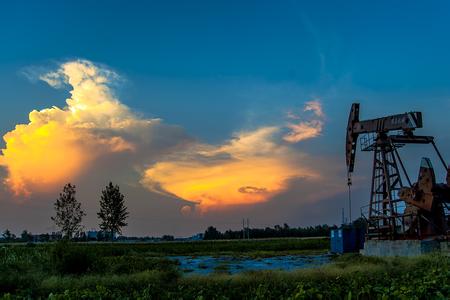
[198, 51]
[218, 67]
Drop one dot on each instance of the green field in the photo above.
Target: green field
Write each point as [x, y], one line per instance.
[130, 271]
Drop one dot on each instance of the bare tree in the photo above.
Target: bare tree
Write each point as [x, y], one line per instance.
[68, 212]
[113, 211]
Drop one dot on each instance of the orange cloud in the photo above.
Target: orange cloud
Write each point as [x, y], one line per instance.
[303, 131]
[58, 144]
[41, 154]
[308, 129]
[248, 169]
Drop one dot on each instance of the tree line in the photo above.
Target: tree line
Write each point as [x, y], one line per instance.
[212, 233]
[278, 231]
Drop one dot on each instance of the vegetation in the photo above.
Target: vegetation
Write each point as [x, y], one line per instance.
[251, 248]
[210, 234]
[277, 231]
[68, 212]
[25, 236]
[8, 236]
[113, 211]
[122, 271]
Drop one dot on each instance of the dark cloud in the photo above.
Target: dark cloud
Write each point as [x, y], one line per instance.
[252, 190]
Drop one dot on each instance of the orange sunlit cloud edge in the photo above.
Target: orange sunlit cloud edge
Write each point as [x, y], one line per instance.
[57, 144]
[250, 168]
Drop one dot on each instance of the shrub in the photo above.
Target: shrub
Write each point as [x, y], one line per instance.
[71, 259]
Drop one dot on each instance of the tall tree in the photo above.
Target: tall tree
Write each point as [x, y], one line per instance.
[113, 211]
[68, 212]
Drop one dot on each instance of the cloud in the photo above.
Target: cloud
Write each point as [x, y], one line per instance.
[303, 131]
[186, 210]
[59, 144]
[250, 168]
[252, 190]
[307, 129]
[316, 107]
[94, 133]
[53, 79]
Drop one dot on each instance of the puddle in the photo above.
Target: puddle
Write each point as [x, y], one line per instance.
[231, 265]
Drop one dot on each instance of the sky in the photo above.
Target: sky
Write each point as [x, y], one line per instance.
[208, 112]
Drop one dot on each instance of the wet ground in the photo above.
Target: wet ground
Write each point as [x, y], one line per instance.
[205, 265]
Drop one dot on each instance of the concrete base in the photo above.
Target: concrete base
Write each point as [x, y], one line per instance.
[404, 247]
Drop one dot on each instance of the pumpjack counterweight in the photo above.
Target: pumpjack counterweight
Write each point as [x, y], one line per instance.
[398, 209]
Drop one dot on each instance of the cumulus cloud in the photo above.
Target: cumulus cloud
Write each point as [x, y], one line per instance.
[58, 144]
[250, 168]
[95, 131]
[305, 127]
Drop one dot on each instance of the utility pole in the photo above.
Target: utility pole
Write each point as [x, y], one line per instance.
[350, 203]
[248, 228]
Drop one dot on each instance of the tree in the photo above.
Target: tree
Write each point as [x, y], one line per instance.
[68, 212]
[8, 236]
[113, 211]
[26, 236]
[212, 233]
[167, 238]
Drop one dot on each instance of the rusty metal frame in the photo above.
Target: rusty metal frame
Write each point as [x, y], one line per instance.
[385, 221]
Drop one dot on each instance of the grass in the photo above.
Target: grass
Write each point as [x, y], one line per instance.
[248, 248]
[131, 271]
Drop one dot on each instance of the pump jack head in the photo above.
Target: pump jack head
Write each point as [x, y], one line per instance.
[352, 137]
[421, 193]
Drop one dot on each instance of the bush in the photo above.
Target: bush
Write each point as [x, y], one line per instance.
[71, 259]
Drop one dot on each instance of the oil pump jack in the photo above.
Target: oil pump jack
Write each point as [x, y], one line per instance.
[397, 210]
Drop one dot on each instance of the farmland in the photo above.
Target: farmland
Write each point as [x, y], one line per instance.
[123, 271]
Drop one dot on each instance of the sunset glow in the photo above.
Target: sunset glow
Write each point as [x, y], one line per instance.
[36, 156]
[234, 183]
[59, 144]
[249, 169]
